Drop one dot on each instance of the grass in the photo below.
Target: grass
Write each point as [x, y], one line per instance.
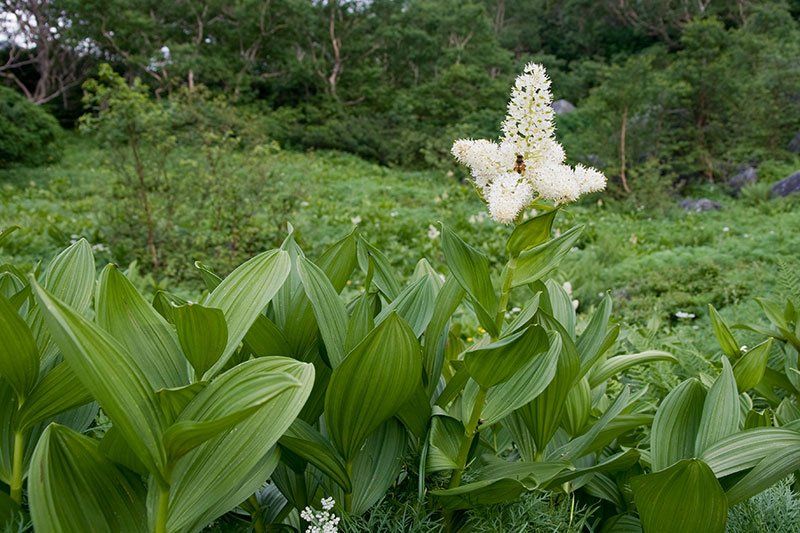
[654, 262]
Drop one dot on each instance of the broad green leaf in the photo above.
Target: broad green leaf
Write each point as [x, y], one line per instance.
[619, 462]
[723, 333]
[227, 400]
[592, 340]
[621, 363]
[577, 407]
[329, 309]
[112, 375]
[721, 412]
[265, 339]
[684, 497]
[382, 275]
[244, 294]
[767, 472]
[524, 386]
[620, 425]
[377, 465]
[114, 446]
[339, 260]
[745, 449]
[533, 264]
[471, 268]
[73, 487]
[307, 443]
[6, 232]
[446, 436]
[749, 369]
[9, 509]
[676, 425]
[415, 304]
[479, 493]
[19, 356]
[202, 333]
[220, 474]
[497, 362]
[59, 390]
[138, 327]
[173, 401]
[210, 279]
[560, 306]
[544, 414]
[376, 378]
[530, 233]
[70, 278]
[447, 301]
[362, 319]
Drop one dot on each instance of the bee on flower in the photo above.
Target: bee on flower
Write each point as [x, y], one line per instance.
[527, 163]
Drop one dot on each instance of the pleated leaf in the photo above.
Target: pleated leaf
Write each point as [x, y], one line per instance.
[59, 390]
[202, 333]
[723, 333]
[223, 403]
[307, 443]
[497, 362]
[137, 326]
[372, 384]
[684, 497]
[530, 233]
[329, 309]
[415, 304]
[218, 475]
[112, 375]
[534, 264]
[745, 449]
[377, 465]
[244, 294]
[620, 363]
[471, 268]
[676, 424]
[19, 356]
[721, 411]
[767, 472]
[73, 487]
[750, 368]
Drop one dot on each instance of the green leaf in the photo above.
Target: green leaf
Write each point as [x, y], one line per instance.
[223, 403]
[577, 407]
[114, 446]
[497, 362]
[447, 301]
[114, 377]
[173, 401]
[6, 232]
[745, 449]
[339, 260]
[265, 339]
[138, 327]
[684, 497]
[244, 294]
[306, 442]
[533, 264]
[218, 475]
[750, 368]
[58, 391]
[723, 333]
[619, 462]
[73, 487]
[721, 412]
[479, 493]
[675, 426]
[524, 386]
[471, 268]
[767, 472]
[383, 277]
[621, 363]
[329, 309]
[415, 304]
[560, 306]
[530, 233]
[377, 465]
[372, 384]
[446, 437]
[70, 278]
[591, 342]
[202, 333]
[19, 357]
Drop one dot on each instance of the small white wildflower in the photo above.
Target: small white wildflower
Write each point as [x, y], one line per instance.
[515, 310]
[507, 197]
[726, 229]
[321, 521]
[567, 286]
[304, 204]
[684, 315]
[743, 348]
[356, 220]
[575, 305]
[433, 232]
[394, 214]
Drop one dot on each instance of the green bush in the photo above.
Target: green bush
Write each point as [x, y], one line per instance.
[29, 135]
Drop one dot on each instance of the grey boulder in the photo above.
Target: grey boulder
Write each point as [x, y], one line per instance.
[787, 186]
[699, 205]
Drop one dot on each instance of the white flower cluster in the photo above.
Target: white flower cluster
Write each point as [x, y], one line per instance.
[321, 521]
[528, 162]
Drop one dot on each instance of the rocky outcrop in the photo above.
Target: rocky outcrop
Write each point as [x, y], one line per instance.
[699, 205]
[787, 186]
[740, 180]
[563, 107]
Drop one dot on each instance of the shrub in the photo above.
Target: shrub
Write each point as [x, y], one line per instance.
[29, 135]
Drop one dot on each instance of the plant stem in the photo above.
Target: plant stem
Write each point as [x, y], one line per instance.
[508, 278]
[257, 518]
[162, 512]
[348, 496]
[470, 431]
[17, 467]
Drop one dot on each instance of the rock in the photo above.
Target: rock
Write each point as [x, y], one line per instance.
[787, 186]
[699, 205]
[794, 144]
[563, 107]
[746, 176]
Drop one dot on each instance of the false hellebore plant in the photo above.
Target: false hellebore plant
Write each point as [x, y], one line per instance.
[281, 389]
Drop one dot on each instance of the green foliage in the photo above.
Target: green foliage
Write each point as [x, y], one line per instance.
[29, 135]
[775, 509]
